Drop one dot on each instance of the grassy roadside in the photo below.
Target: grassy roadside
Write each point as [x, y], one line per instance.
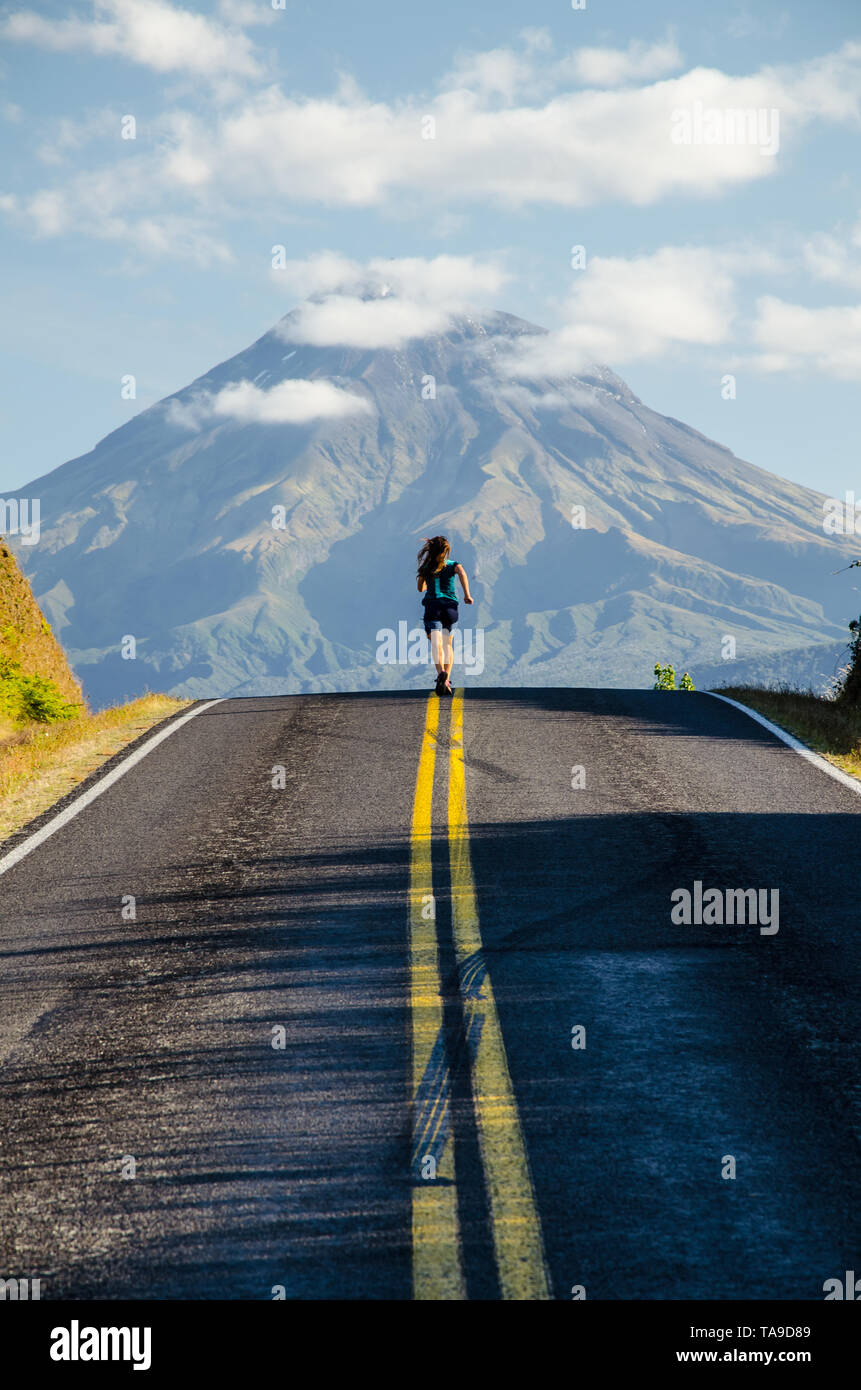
[830, 729]
[40, 764]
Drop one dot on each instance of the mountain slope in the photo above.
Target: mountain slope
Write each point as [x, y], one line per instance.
[164, 531]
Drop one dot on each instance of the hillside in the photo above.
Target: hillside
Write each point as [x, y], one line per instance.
[25, 636]
[164, 532]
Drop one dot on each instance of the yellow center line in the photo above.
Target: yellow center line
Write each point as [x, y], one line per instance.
[437, 1269]
[514, 1216]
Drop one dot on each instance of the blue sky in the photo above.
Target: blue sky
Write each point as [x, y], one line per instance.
[301, 127]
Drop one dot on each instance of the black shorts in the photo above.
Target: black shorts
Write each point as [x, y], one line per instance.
[439, 613]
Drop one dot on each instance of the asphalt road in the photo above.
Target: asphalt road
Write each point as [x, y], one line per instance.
[261, 907]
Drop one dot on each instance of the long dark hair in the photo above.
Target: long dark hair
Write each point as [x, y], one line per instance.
[432, 556]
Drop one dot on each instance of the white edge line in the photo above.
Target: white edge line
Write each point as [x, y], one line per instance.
[69, 812]
[852, 783]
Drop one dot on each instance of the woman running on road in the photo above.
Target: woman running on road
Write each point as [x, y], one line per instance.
[435, 579]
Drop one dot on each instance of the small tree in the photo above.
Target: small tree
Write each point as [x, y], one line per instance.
[665, 678]
[850, 687]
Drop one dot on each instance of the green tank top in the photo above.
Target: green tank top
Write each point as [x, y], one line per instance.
[442, 585]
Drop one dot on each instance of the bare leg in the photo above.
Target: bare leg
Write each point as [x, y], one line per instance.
[448, 653]
[436, 650]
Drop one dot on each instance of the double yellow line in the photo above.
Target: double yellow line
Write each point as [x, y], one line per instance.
[436, 1244]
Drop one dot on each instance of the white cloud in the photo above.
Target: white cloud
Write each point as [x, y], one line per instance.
[744, 24]
[570, 397]
[153, 33]
[383, 303]
[72, 135]
[575, 149]
[187, 415]
[163, 236]
[792, 337]
[292, 402]
[497, 71]
[321, 273]
[44, 213]
[537, 40]
[442, 279]
[624, 310]
[505, 72]
[449, 224]
[364, 323]
[835, 257]
[245, 13]
[609, 67]
[680, 299]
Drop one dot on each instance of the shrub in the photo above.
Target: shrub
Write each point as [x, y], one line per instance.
[849, 689]
[665, 678]
[34, 699]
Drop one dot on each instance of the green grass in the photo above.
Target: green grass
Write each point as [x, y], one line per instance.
[830, 728]
[49, 739]
[40, 764]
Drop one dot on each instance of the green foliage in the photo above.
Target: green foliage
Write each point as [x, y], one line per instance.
[30, 699]
[849, 689]
[665, 679]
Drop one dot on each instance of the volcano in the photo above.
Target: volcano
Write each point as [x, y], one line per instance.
[256, 531]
